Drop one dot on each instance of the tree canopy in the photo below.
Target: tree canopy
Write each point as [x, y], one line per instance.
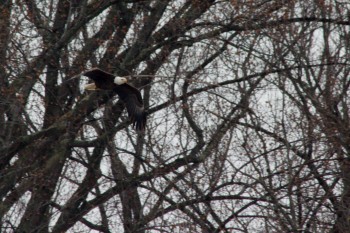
[248, 125]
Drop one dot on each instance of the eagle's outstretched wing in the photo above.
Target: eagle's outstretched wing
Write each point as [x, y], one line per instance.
[103, 80]
[134, 104]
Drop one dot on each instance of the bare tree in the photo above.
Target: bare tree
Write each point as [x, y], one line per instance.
[248, 121]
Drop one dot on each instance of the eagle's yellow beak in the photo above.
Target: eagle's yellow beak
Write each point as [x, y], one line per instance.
[90, 87]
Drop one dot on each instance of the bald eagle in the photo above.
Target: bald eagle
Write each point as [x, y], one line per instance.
[128, 94]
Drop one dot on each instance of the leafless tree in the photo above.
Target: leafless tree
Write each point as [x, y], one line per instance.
[248, 125]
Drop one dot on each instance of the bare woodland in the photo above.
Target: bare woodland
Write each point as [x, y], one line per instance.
[248, 125]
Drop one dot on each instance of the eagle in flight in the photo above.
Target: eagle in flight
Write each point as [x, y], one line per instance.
[130, 95]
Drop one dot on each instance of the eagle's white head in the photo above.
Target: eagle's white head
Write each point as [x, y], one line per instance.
[120, 80]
